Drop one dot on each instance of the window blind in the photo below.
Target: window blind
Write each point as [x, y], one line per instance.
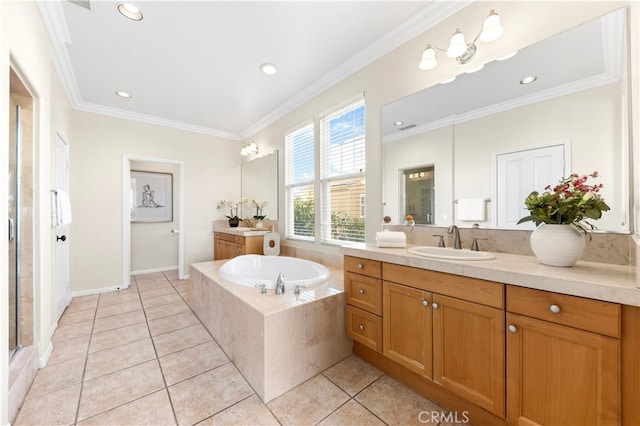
[299, 183]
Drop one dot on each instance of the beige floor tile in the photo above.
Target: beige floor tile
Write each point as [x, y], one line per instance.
[69, 349]
[181, 339]
[309, 402]
[150, 276]
[154, 409]
[84, 299]
[106, 392]
[181, 286]
[119, 299]
[171, 275]
[251, 411]
[57, 376]
[166, 310]
[55, 408]
[403, 409]
[132, 289]
[120, 308]
[81, 306]
[151, 285]
[209, 393]
[162, 291]
[190, 362]
[353, 374]
[172, 323]
[161, 300]
[119, 358]
[76, 317]
[118, 336]
[352, 413]
[72, 331]
[118, 321]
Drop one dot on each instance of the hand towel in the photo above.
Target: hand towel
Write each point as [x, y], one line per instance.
[471, 209]
[62, 208]
[391, 239]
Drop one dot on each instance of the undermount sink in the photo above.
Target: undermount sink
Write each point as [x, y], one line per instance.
[451, 254]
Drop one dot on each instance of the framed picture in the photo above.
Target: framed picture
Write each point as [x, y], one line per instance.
[151, 197]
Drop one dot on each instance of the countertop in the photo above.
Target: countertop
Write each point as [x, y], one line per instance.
[601, 281]
[241, 231]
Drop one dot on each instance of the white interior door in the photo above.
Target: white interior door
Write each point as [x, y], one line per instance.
[62, 282]
[520, 172]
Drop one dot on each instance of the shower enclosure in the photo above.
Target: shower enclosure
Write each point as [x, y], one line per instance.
[15, 137]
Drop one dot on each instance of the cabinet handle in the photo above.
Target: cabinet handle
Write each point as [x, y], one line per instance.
[361, 291]
[512, 328]
[361, 327]
[360, 266]
[425, 303]
[434, 305]
[555, 309]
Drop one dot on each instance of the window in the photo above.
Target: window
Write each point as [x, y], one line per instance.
[299, 183]
[342, 160]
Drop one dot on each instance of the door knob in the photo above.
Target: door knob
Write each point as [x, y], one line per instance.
[63, 238]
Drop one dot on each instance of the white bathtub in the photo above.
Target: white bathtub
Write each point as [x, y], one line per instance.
[250, 270]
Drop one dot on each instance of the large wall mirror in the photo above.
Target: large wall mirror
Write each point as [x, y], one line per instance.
[579, 101]
[260, 183]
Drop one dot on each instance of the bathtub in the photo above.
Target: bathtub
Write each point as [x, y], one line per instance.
[252, 269]
[277, 341]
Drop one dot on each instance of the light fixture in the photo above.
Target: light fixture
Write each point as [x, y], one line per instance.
[123, 94]
[476, 69]
[449, 80]
[398, 123]
[509, 56]
[528, 80]
[130, 11]
[249, 149]
[268, 69]
[459, 48]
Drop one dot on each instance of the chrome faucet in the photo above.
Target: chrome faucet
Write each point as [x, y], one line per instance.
[280, 284]
[453, 229]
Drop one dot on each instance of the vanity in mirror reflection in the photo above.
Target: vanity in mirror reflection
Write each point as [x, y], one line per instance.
[480, 130]
[260, 183]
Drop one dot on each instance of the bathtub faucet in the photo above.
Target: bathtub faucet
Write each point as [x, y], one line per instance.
[280, 284]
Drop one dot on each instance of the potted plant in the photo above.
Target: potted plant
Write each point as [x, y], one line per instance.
[259, 216]
[234, 220]
[561, 214]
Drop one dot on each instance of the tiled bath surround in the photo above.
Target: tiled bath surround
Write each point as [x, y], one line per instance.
[276, 341]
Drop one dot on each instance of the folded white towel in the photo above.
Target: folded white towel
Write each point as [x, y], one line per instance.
[391, 239]
[471, 209]
[62, 214]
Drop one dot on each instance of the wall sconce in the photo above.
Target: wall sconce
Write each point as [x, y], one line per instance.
[251, 148]
[458, 47]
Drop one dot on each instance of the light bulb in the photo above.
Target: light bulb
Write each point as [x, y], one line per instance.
[457, 46]
[492, 29]
[428, 61]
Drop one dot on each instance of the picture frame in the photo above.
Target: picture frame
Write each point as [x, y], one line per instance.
[151, 196]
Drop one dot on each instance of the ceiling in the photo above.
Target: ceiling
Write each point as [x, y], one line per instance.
[195, 65]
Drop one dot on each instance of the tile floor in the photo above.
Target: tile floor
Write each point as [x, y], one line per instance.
[141, 357]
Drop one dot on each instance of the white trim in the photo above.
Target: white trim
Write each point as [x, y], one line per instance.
[126, 220]
[100, 290]
[151, 271]
[44, 359]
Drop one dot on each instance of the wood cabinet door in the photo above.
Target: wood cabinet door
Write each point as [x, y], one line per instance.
[468, 351]
[558, 375]
[407, 327]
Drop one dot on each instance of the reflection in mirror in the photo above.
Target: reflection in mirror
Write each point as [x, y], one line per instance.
[580, 96]
[419, 194]
[260, 183]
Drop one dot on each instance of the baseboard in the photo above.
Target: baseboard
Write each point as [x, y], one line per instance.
[151, 271]
[97, 290]
[44, 359]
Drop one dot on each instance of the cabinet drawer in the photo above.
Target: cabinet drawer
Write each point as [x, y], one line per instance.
[224, 237]
[238, 240]
[586, 314]
[364, 327]
[371, 268]
[238, 250]
[364, 292]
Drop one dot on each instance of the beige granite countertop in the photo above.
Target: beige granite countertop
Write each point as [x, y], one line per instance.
[241, 231]
[602, 281]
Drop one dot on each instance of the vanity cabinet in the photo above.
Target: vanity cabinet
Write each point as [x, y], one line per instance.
[228, 246]
[563, 357]
[363, 289]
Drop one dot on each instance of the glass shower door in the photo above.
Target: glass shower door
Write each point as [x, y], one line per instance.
[14, 226]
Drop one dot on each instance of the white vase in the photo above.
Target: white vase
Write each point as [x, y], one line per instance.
[259, 224]
[557, 245]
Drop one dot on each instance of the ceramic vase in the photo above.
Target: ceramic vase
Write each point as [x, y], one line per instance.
[234, 222]
[259, 224]
[557, 245]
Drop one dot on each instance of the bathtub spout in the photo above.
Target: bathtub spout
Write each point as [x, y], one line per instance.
[280, 284]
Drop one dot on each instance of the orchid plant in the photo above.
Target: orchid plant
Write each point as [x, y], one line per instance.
[259, 206]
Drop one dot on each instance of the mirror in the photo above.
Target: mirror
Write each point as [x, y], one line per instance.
[578, 100]
[260, 183]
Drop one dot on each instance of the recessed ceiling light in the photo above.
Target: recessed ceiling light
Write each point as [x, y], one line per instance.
[398, 123]
[130, 11]
[528, 80]
[510, 55]
[449, 80]
[268, 69]
[123, 94]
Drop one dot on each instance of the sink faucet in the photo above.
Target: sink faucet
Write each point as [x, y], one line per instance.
[453, 229]
[280, 284]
